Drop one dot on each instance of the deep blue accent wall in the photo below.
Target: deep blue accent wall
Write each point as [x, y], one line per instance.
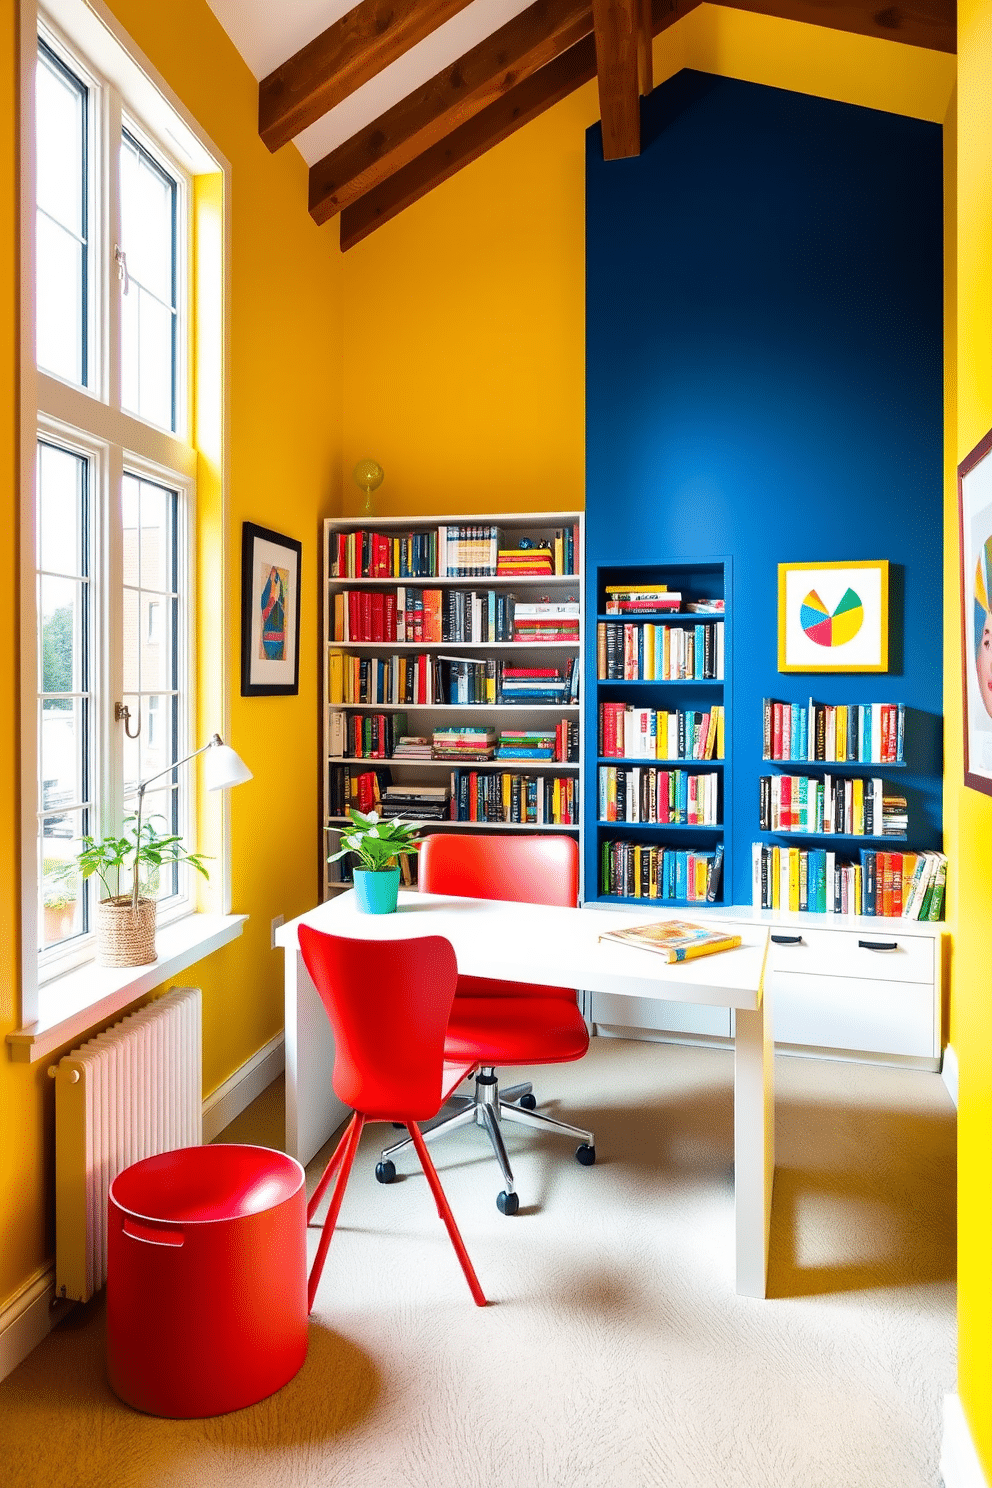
[764, 381]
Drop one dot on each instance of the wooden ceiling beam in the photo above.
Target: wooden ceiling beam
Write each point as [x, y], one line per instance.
[617, 31]
[497, 122]
[929, 23]
[922, 23]
[482, 76]
[342, 58]
[645, 47]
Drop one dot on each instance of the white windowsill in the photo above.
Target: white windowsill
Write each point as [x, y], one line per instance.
[92, 994]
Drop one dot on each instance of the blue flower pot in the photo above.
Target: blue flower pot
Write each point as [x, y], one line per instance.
[377, 892]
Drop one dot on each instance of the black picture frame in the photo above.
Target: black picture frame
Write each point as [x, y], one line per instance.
[270, 657]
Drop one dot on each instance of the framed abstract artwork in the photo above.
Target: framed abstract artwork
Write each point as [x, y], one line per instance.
[270, 613]
[975, 515]
[833, 617]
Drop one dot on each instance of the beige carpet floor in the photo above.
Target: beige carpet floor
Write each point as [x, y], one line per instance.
[615, 1353]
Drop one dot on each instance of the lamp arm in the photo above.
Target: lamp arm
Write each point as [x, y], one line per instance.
[143, 786]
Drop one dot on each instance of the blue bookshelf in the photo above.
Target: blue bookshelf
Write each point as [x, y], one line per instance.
[628, 843]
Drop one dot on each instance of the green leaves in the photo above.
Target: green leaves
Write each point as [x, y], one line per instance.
[108, 857]
[377, 843]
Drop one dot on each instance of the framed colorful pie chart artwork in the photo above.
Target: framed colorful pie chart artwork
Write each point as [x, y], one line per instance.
[833, 617]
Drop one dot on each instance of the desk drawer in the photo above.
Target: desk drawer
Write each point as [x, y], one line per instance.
[848, 953]
[660, 1017]
[876, 1016]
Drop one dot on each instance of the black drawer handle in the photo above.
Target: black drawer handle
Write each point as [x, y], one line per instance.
[787, 940]
[879, 945]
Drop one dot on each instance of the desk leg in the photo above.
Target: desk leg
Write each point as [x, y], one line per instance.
[313, 1111]
[754, 1146]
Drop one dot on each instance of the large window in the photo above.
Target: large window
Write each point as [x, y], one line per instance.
[114, 488]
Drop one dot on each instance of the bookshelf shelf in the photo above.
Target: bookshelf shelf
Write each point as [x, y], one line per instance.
[675, 849]
[622, 827]
[479, 826]
[515, 647]
[499, 708]
[863, 767]
[661, 764]
[845, 837]
[364, 778]
[556, 767]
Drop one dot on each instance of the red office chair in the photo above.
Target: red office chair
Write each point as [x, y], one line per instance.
[388, 1003]
[505, 1023]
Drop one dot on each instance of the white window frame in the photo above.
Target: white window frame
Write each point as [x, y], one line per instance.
[125, 88]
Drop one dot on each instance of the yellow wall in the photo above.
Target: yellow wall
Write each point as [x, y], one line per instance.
[284, 362]
[970, 812]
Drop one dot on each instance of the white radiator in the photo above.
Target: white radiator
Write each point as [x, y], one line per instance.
[132, 1091]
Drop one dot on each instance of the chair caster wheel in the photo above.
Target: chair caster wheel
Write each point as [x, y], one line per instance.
[586, 1155]
[385, 1172]
[528, 1102]
[507, 1203]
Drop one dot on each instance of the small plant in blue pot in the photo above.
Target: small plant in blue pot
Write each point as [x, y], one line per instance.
[377, 845]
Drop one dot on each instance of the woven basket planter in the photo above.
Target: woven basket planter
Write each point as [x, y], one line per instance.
[125, 936]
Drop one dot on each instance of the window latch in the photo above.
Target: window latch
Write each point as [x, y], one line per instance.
[122, 714]
[120, 258]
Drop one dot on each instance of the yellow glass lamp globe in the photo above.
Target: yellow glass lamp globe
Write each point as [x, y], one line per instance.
[368, 475]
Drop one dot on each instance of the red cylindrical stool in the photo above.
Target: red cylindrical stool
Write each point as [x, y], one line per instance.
[206, 1279]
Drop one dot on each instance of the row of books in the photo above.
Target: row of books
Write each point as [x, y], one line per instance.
[865, 733]
[626, 732]
[893, 885]
[628, 599]
[427, 679]
[628, 652]
[502, 796]
[854, 806]
[668, 797]
[437, 615]
[469, 741]
[364, 735]
[452, 550]
[637, 870]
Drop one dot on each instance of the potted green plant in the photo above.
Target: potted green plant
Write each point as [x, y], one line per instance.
[377, 845]
[125, 922]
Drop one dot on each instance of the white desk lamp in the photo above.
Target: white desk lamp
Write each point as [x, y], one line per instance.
[223, 768]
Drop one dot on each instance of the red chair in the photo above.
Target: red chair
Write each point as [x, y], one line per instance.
[388, 1003]
[496, 1023]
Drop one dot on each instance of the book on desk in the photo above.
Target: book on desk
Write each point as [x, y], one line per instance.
[675, 940]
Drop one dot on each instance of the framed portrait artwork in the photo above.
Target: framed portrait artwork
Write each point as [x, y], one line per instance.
[833, 617]
[270, 613]
[975, 514]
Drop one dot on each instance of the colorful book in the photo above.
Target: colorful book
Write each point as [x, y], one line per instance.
[675, 940]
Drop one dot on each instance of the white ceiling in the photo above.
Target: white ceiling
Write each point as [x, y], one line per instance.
[268, 34]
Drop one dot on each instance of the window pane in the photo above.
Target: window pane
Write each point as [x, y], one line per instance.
[63, 897]
[65, 742]
[151, 660]
[148, 312]
[61, 656]
[62, 228]
[62, 731]
[59, 321]
[60, 509]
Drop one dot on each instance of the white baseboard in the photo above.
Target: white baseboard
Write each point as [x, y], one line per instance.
[949, 1073]
[27, 1318]
[237, 1093]
[959, 1464]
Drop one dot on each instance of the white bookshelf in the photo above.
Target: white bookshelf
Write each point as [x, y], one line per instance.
[424, 718]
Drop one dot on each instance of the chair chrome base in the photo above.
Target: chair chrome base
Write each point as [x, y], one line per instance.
[489, 1109]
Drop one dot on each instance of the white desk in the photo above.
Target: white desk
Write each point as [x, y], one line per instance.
[558, 947]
